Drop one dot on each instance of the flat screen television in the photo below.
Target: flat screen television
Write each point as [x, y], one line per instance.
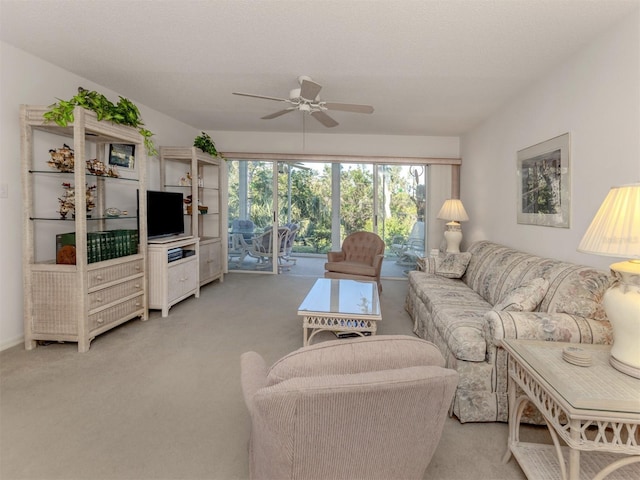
[165, 214]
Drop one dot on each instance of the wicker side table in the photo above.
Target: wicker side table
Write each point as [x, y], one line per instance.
[593, 409]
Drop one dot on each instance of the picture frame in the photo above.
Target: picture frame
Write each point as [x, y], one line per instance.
[544, 183]
[122, 155]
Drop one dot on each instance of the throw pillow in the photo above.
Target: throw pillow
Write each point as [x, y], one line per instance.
[524, 298]
[450, 265]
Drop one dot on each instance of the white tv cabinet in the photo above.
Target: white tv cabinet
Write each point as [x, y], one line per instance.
[208, 187]
[172, 281]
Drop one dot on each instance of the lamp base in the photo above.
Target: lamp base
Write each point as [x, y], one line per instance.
[624, 368]
[622, 306]
[453, 235]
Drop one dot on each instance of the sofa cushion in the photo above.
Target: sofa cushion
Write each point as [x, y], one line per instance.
[339, 357]
[456, 311]
[524, 298]
[578, 290]
[450, 265]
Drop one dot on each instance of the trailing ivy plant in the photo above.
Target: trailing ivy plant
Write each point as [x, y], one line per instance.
[205, 143]
[125, 112]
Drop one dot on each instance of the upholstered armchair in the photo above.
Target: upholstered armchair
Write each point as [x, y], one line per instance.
[359, 259]
[371, 407]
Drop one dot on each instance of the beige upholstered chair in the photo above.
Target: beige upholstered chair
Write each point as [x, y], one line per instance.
[360, 258]
[371, 407]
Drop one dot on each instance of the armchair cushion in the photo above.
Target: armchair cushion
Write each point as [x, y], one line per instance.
[367, 354]
[524, 298]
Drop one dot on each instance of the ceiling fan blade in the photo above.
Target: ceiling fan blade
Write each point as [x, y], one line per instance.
[349, 107]
[309, 89]
[277, 114]
[261, 96]
[324, 119]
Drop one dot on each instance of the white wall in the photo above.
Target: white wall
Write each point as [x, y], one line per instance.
[27, 79]
[595, 96]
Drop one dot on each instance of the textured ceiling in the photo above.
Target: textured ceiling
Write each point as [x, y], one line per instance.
[429, 67]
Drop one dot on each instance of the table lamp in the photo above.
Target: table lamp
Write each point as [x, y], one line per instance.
[615, 232]
[454, 211]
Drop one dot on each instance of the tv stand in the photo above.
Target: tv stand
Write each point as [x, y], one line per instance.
[172, 281]
[169, 239]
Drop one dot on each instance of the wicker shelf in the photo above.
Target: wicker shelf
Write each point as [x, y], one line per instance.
[78, 301]
[209, 227]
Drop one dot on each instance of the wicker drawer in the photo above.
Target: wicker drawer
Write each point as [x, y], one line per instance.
[108, 295]
[116, 313]
[112, 273]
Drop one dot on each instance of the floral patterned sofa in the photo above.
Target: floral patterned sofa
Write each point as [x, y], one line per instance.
[467, 303]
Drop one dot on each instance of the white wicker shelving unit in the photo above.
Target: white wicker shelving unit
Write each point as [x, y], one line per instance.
[77, 302]
[208, 188]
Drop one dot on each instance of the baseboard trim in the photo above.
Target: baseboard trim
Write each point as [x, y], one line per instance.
[11, 343]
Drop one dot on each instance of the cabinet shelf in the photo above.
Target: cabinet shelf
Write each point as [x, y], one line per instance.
[86, 174]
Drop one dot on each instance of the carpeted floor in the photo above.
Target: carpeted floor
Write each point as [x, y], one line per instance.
[161, 399]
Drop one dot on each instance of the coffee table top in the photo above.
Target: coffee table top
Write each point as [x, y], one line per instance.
[339, 297]
[598, 387]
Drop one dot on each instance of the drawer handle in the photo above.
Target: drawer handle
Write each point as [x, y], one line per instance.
[137, 285]
[100, 321]
[137, 304]
[99, 300]
[138, 267]
[98, 277]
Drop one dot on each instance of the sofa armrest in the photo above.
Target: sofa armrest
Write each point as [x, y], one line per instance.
[557, 327]
[253, 376]
[335, 256]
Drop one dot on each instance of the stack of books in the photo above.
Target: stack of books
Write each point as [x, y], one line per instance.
[103, 245]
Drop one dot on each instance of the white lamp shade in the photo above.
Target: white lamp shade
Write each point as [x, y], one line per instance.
[615, 230]
[453, 210]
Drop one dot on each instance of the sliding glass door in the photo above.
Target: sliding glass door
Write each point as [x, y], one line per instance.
[320, 204]
[251, 215]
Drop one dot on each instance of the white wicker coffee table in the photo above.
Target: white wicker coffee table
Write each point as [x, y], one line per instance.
[594, 410]
[341, 306]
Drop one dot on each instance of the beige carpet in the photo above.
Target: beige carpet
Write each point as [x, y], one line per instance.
[161, 399]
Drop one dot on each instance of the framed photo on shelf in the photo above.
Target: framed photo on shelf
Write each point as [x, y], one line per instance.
[122, 155]
[544, 183]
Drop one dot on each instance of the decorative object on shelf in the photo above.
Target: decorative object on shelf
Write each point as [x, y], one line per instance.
[186, 180]
[125, 112]
[454, 211]
[122, 155]
[205, 143]
[113, 212]
[62, 159]
[544, 187]
[96, 167]
[615, 232]
[68, 200]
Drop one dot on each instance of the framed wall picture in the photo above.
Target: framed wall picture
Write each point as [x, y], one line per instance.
[544, 183]
[122, 155]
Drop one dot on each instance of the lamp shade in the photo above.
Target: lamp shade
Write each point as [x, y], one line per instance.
[615, 230]
[453, 210]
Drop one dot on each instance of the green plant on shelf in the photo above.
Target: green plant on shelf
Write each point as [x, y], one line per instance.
[125, 112]
[205, 143]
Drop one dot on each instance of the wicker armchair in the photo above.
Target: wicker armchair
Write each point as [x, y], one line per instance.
[360, 258]
[370, 407]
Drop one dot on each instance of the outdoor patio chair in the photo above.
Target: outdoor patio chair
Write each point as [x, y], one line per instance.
[409, 249]
[261, 248]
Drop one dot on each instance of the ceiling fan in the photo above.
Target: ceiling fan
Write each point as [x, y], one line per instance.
[307, 99]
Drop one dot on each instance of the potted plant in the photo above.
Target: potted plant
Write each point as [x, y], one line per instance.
[125, 112]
